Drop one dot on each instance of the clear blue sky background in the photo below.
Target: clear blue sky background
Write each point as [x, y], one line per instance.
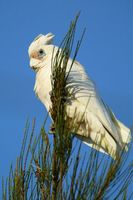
[106, 53]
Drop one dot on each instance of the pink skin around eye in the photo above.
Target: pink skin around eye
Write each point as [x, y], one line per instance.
[34, 54]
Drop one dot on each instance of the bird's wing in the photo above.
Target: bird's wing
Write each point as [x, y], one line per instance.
[84, 91]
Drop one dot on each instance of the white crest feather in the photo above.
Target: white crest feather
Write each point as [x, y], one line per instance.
[44, 39]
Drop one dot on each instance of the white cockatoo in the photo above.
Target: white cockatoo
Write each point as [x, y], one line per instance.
[98, 127]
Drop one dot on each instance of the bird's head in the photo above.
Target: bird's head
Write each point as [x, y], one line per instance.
[39, 49]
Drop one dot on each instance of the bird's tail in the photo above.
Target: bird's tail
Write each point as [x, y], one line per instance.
[125, 133]
[107, 144]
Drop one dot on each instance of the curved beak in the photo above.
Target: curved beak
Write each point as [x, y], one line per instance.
[33, 63]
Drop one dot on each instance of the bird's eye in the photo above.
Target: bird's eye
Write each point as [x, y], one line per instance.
[41, 53]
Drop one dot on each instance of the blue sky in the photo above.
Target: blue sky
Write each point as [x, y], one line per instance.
[106, 53]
